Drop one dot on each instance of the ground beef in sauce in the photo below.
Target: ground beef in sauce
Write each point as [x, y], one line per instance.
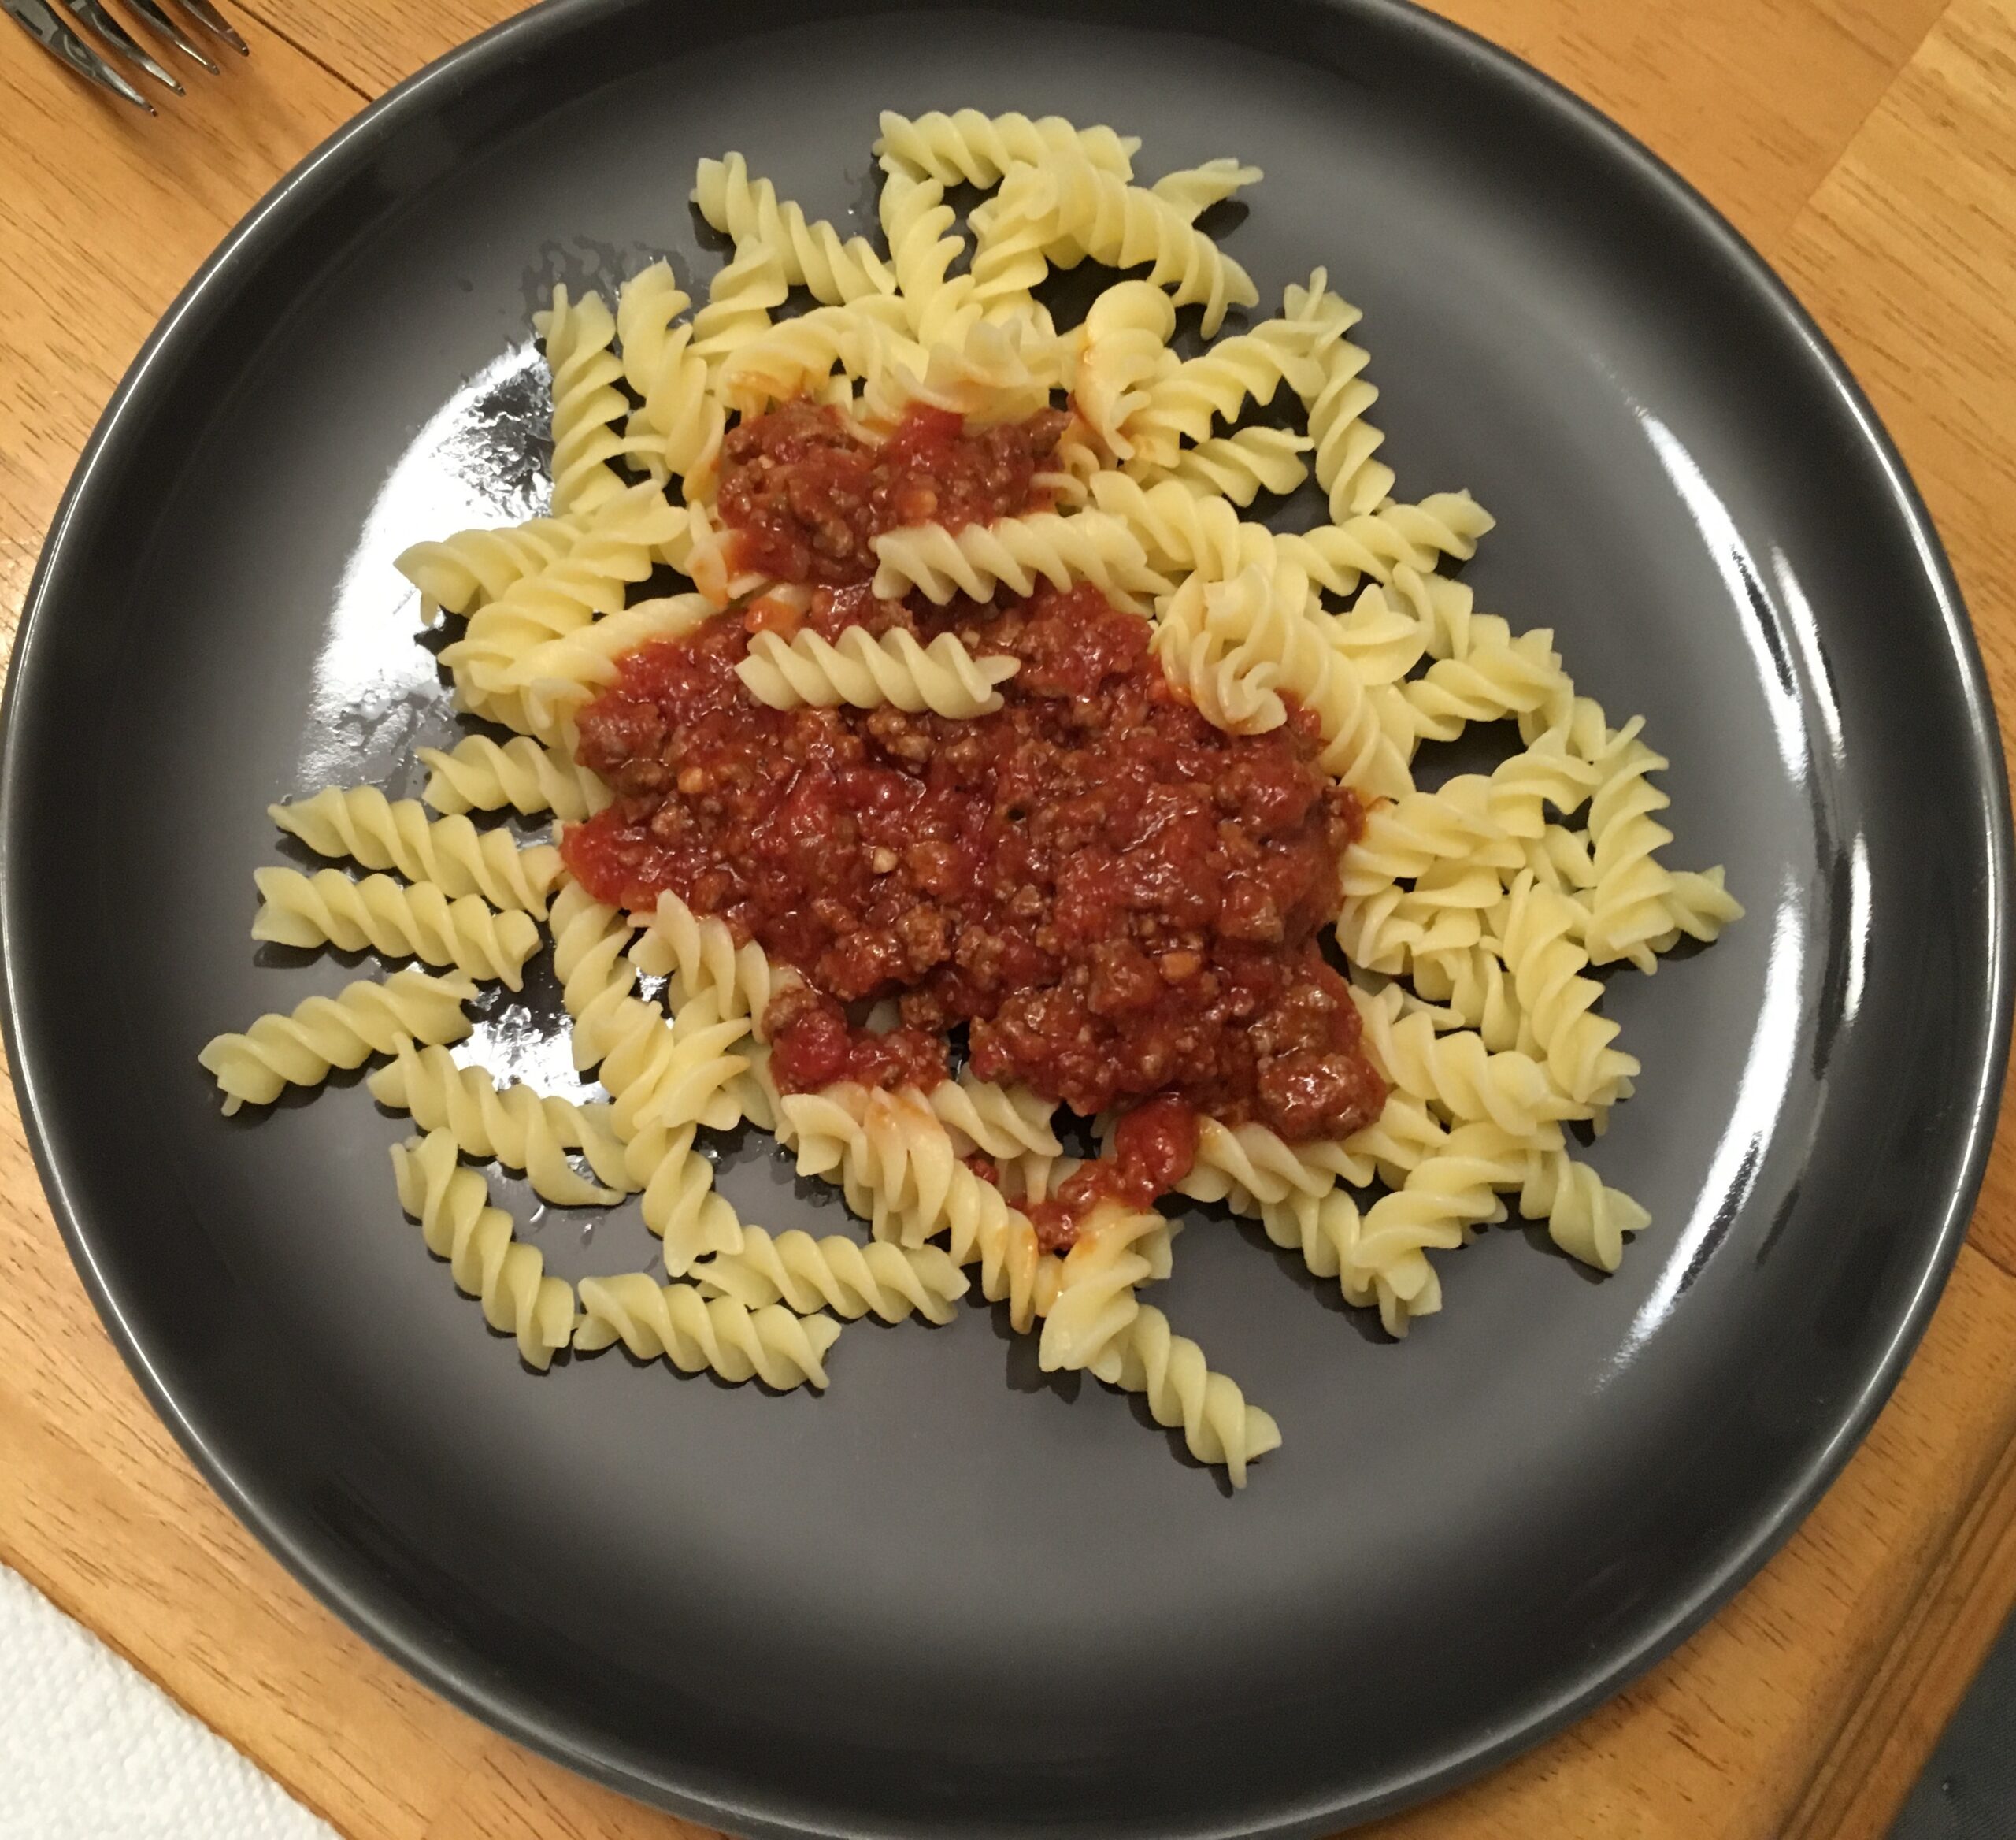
[807, 492]
[1120, 900]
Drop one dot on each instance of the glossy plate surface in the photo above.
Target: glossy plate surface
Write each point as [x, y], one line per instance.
[954, 1596]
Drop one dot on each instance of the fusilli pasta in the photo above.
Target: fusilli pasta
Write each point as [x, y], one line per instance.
[942, 677]
[328, 908]
[360, 822]
[452, 1205]
[344, 1030]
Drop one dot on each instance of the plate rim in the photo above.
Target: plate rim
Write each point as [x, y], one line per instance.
[460, 1685]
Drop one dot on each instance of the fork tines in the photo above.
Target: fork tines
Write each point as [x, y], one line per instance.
[91, 56]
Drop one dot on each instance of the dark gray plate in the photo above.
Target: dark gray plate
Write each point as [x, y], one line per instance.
[953, 1596]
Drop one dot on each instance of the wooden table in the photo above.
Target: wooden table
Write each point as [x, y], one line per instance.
[1868, 148]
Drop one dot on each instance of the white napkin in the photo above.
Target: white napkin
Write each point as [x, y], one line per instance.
[90, 1750]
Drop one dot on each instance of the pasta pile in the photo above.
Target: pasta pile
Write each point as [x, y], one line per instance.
[1474, 915]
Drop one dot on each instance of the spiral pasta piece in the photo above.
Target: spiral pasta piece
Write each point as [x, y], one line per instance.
[680, 1204]
[867, 672]
[740, 299]
[1492, 682]
[1476, 989]
[678, 1074]
[795, 357]
[1628, 907]
[1346, 443]
[834, 1273]
[1403, 1136]
[1246, 641]
[1245, 1166]
[479, 774]
[822, 1129]
[1698, 906]
[587, 404]
[463, 571]
[900, 1157]
[1557, 1003]
[554, 678]
[999, 1122]
[328, 908]
[1547, 773]
[1327, 1232]
[1016, 553]
[1458, 1073]
[898, 1167]
[1125, 336]
[969, 147]
[596, 979]
[360, 822]
[1444, 1199]
[1122, 224]
[695, 1332]
[1240, 466]
[1193, 189]
[452, 1205]
[521, 1129]
[989, 373]
[1095, 1303]
[918, 226]
[698, 952]
[812, 253]
[593, 579]
[1013, 234]
[646, 306]
[1170, 1372]
[1586, 1219]
[1410, 835]
[1215, 386]
[345, 1030]
[677, 430]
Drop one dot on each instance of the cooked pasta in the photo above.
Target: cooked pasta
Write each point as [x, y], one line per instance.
[479, 774]
[994, 1121]
[462, 572]
[969, 147]
[740, 299]
[1122, 224]
[699, 953]
[680, 1204]
[1015, 553]
[676, 431]
[1095, 1304]
[586, 404]
[696, 1333]
[396, 921]
[452, 1204]
[552, 679]
[514, 1126]
[345, 1030]
[360, 822]
[1181, 1391]
[834, 1273]
[1246, 1166]
[812, 254]
[942, 677]
[1007, 741]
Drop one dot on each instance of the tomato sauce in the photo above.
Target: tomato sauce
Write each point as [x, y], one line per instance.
[1117, 898]
[1154, 1147]
[808, 493]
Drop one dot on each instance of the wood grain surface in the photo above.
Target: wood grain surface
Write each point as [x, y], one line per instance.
[1868, 148]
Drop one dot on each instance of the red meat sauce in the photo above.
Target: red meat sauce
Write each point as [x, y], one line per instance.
[1154, 1147]
[1118, 900]
[808, 493]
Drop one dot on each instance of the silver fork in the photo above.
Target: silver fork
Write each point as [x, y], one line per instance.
[39, 19]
